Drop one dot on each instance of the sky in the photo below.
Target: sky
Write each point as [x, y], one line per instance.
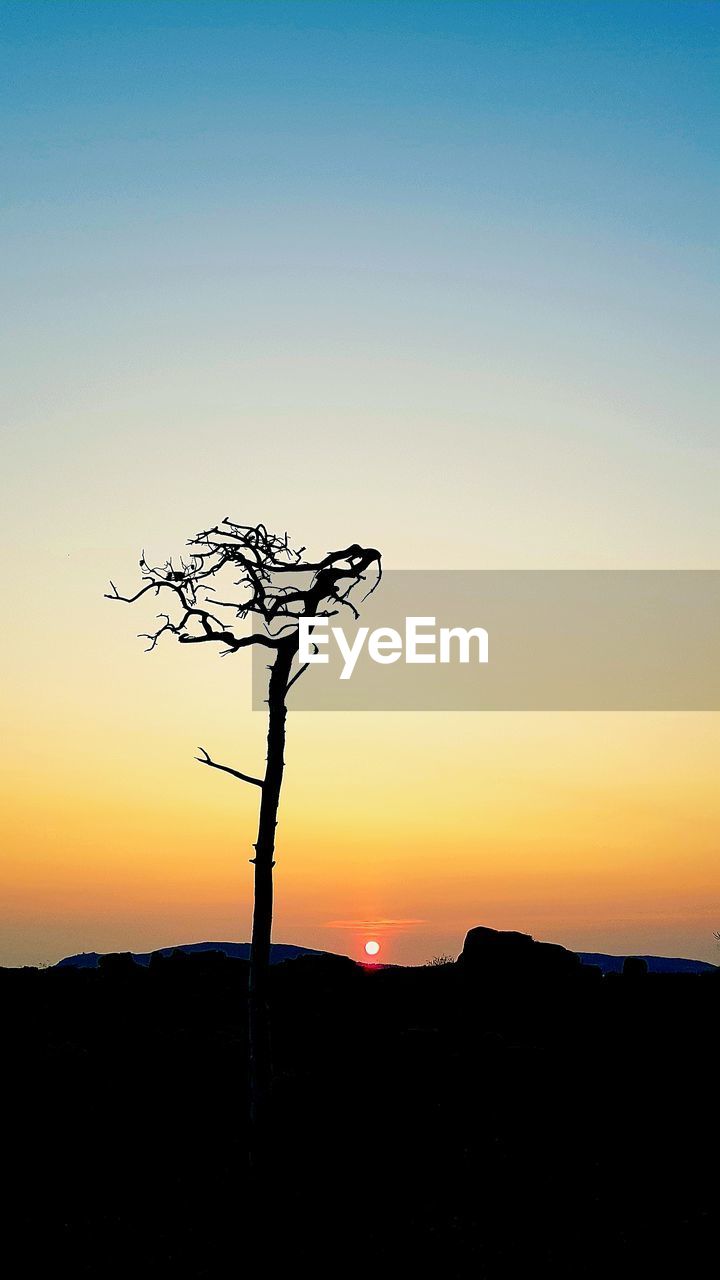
[436, 277]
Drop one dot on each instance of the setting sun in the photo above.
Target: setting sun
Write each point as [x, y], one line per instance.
[372, 948]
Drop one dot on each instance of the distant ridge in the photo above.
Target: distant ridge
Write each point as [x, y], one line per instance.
[235, 950]
[655, 964]
[281, 951]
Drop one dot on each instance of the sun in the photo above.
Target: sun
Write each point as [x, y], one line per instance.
[372, 948]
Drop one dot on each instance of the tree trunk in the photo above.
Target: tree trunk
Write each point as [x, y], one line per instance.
[258, 1005]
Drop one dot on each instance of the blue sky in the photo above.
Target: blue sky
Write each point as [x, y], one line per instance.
[585, 112]
[483, 227]
[490, 223]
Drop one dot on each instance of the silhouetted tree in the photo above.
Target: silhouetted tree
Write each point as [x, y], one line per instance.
[275, 586]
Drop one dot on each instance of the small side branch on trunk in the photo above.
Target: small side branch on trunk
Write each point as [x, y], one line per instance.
[225, 768]
[297, 675]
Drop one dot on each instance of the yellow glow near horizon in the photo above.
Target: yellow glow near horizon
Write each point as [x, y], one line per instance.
[595, 830]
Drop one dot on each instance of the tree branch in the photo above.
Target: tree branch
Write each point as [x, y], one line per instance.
[297, 676]
[264, 560]
[225, 768]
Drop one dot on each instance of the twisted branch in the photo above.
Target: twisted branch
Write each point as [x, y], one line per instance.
[264, 560]
[225, 768]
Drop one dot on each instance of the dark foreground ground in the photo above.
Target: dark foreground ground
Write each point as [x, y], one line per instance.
[442, 1121]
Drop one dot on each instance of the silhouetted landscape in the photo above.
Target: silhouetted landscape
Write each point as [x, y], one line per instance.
[516, 1111]
[282, 951]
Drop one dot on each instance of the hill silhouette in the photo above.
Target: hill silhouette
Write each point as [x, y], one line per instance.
[655, 964]
[281, 951]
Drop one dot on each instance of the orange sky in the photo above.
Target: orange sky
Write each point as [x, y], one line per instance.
[598, 831]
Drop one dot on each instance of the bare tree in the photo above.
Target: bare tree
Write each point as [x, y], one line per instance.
[271, 585]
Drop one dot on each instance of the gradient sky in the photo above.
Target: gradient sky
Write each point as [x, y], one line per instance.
[437, 277]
